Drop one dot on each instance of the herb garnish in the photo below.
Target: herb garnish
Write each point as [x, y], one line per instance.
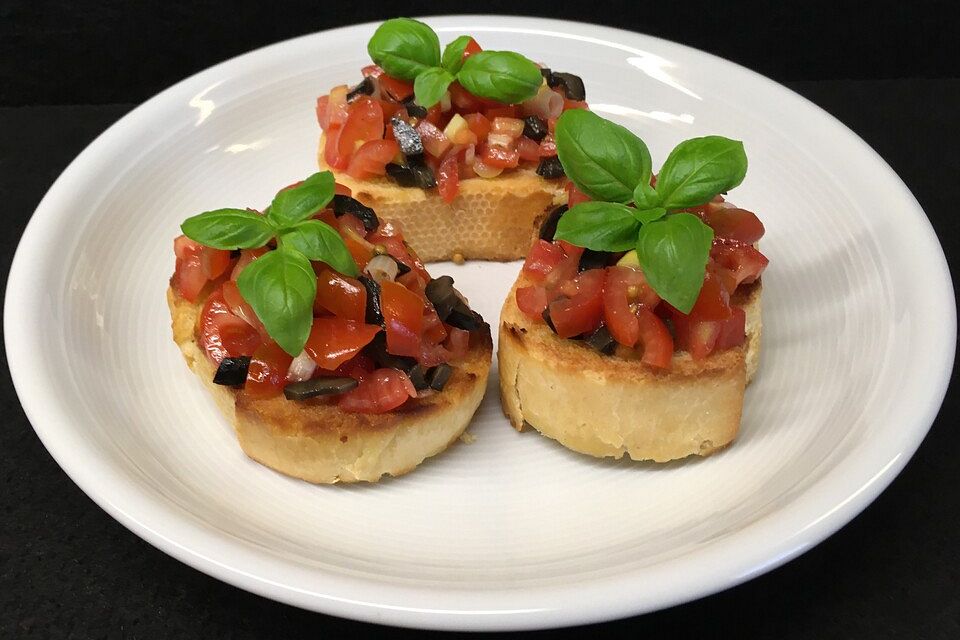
[612, 165]
[281, 284]
[410, 50]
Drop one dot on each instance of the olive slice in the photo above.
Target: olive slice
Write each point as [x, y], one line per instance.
[602, 340]
[407, 137]
[550, 168]
[591, 259]
[374, 311]
[365, 88]
[232, 372]
[318, 387]
[401, 175]
[345, 204]
[422, 174]
[466, 319]
[418, 377]
[535, 128]
[442, 296]
[572, 85]
[549, 226]
[413, 109]
[439, 376]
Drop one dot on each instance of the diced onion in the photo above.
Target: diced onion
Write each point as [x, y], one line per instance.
[382, 268]
[470, 154]
[546, 104]
[485, 171]
[301, 368]
[499, 140]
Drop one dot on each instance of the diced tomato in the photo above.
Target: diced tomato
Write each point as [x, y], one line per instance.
[240, 308]
[458, 342]
[351, 224]
[745, 262]
[434, 141]
[391, 109]
[532, 300]
[542, 258]
[582, 312]
[414, 282]
[435, 116]
[380, 391]
[503, 111]
[733, 330]
[734, 225]
[357, 367]
[360, 249]
[471, 48]
[333, 341]
[448, 177]
[510, 127]
[434, 330]
[335, 110]
[626, 289]
[214, 262]
[222, 334]
[188, 277]
[478, 124]
[323, 115]
[371, 70]
[246, 257]
[364, 123]
[548, 147]
[655, 338]
[699, 338]
[575, 196]
[573, 104]
[372, 158]
[528, 149]
[342, 190]
[267, 374]
[499, 157]
[403, 316]
[341, 295]
[396, 89]
[713, 303]
[462, 100]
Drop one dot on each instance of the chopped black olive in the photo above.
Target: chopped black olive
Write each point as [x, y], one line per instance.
[546, 318]
[235, 253]
[401, 268]
[602, 341]
[365, 88]
[450, 306]
[318, 387]
[422, 174]
[439, 376]
[407, 137]
[376, 349]
[535, 128]
[413, 109]
[572, 85]
[345, 204]
[591, 259]
[374, 312]
[549, 227]
[465, 319]
[547, 74]
[550, 167]
[418, 377]
[401, 175]
[232, 372]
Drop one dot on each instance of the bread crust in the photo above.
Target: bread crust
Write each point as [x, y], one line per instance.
[608, 406]
[490, 219]
[315, 441]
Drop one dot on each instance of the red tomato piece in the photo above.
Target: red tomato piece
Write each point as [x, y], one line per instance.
[267, 374]
[323, 115]
[372, 158]
[733, 330]
[503, 111]
[713, 303]
[360, 249]
[542, 258]
[463, 100]
[575, 196]
[734, 225]
[532, 300]
[499, 157]
[624, 290]
[341, 295]
[583, 311]
[696, 337]
[371, 70]
[396, 89]
[240, 308]
[214, 262]
[380, 391]
[434, 141]
[548, 147]
[246, 257]
[471, 48]
[458, 342]
[222, 334]
[333, 341]
[403, 316]
[655, 338]
[189, 277]
[478, 124]
[745, 262]
[448, 177]
[364, 123]
[342, 190]
[528, 149]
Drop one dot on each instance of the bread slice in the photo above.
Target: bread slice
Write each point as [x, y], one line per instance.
[490, 219]
[317, 442]
[608, 406]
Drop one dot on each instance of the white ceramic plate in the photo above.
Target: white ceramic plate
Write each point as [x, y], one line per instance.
[512, 531]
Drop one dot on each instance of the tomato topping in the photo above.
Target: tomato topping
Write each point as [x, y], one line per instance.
[372, 158]
[341, 295]
[458, 342]
[510, 127]
[371, 70]
[323, 116]
[379, 391]
[364, 123]
[267, 374]
[403, 316]
[471, 48]
[333, 341]
[734, 225]
[696, 337]
[396, 89]
[222, 334]
[214, 262]
[583, 311]
[479, 125]
[360, 249]
[504, 111]
[548, 147]
[499, 157]
[528, 149]
[463, 100]
[188, 276]
[745, 262]
[574, 195]
[542, 258]
[448, 177]
[342, 190]
[655, 338]
[532, 300]
[332, 109]
[624, 290]
[246, 257]
[240, 308]
[713, 303]
[733, 330]
[434, 141]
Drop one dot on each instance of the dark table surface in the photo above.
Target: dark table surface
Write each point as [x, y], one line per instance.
[68, 570]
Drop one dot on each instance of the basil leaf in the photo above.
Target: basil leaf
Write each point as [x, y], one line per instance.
[673, 254]
[645, 196]
[430, 86]
[644, 216]
[404, 48]
[503, 76]
[700, 168]
[228, 229]
[319, 241]
[292, 205]
[281, 286]
[604, 160]
[452, 58]
[601, 226]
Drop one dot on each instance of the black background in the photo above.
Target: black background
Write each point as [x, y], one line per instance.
[68, 70]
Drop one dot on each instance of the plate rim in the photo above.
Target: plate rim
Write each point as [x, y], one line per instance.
[110, 493]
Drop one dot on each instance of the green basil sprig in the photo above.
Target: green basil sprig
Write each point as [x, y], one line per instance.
[612, 165]
[281, 284]
[410, 50]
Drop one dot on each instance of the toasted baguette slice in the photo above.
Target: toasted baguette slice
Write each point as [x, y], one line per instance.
[490, 219]
[608, 406]
[317, 442]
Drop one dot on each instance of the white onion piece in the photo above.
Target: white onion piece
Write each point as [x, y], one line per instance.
[499, 140]
[485, 171]
[470, 154]
[301, 368]
[546, 104]
[382, 268]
